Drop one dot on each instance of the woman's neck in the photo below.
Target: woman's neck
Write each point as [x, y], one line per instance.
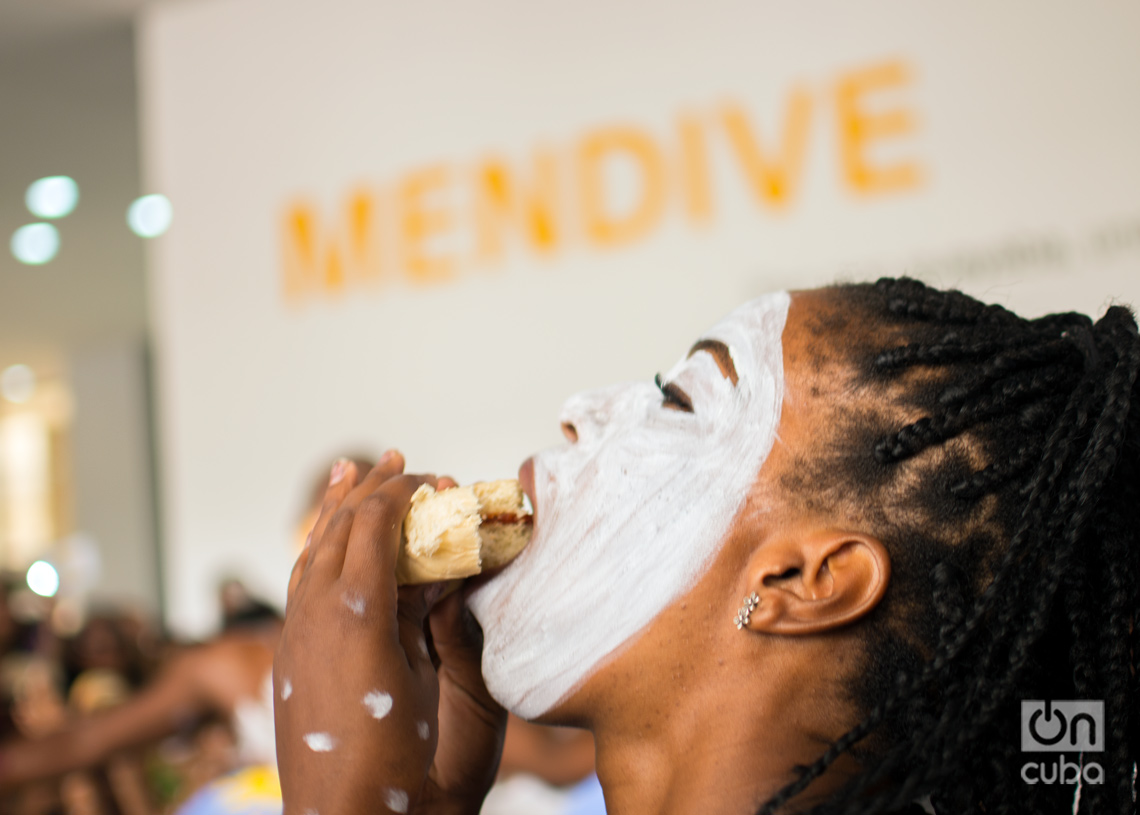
[715, 741]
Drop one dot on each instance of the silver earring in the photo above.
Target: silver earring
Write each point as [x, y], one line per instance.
[744, 616]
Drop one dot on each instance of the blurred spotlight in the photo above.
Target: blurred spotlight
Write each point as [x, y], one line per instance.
[52, 197]
[17, 383]
[35, 243]
[43, 579]
[149, 216]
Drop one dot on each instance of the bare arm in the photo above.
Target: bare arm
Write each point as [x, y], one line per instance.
[154, 713]
[558, 756]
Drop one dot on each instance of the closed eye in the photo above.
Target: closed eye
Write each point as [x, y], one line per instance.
[675, 398]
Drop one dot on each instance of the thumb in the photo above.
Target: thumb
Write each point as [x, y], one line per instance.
[458, 641]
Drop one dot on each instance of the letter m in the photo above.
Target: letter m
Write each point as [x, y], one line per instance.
[320, 257]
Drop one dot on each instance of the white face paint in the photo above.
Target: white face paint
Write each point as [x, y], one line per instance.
[355, 603]
[424, 729]
[319, 742]
[396, 800]
[379, 704]
[632, 514]
[286, 690]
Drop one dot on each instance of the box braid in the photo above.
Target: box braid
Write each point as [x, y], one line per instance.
[1011, 510]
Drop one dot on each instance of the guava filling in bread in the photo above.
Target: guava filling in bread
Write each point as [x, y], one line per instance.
[462, 531]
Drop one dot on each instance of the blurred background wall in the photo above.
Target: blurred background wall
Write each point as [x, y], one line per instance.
[426, 224]
[76, 484]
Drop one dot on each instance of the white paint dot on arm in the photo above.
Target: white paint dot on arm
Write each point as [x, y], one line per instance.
[424, 729]
[396, 800]
[286, 690]
[378, 703]
[320, 742]
[355, 603]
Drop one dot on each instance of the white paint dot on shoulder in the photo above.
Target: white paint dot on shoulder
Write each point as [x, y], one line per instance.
[355, 603]
[320, 742]
[396, 800]
[286, 690]
[424, 729]
[378, 703]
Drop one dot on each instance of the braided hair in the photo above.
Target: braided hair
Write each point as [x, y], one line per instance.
[998, 459]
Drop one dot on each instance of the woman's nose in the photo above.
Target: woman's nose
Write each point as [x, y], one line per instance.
[585, 414]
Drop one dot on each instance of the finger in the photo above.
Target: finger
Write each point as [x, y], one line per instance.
[340, 507]
[298, 568]
[458, 641]
[446, 482]
[370, 561]
[341, 481]
[342, 478]
[412, 610]
[390, 464]
[326, 556]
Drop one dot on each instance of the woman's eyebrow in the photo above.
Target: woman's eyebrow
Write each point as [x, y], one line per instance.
[722, 356]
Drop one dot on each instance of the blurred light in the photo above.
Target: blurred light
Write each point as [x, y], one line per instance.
[52, 197]
[17, 383]
[149, 216]
[43, 579]
[35, 243]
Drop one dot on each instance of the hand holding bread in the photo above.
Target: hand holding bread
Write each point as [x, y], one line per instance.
[409, 726]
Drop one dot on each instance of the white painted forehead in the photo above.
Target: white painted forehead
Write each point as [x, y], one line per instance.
[750, 330]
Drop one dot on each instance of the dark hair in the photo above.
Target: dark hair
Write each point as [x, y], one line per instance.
[253, 613]
[998, 459]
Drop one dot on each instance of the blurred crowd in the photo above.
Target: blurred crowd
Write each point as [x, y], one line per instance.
[54, 678]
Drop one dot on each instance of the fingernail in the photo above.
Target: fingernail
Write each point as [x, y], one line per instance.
[338, 471]
[384, 459]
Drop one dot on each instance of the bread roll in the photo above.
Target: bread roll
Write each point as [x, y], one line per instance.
[461, 531]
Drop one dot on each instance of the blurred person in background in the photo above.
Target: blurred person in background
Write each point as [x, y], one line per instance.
[238, 604]
[13, 651]
[226, 677]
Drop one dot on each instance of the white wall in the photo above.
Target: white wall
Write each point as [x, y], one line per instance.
[325, 161]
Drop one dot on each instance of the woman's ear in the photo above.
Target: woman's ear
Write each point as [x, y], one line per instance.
[812, 579]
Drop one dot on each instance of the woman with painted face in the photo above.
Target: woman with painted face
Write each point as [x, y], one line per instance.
[818, 566]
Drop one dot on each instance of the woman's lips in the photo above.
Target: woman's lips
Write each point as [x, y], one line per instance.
[526, 479]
